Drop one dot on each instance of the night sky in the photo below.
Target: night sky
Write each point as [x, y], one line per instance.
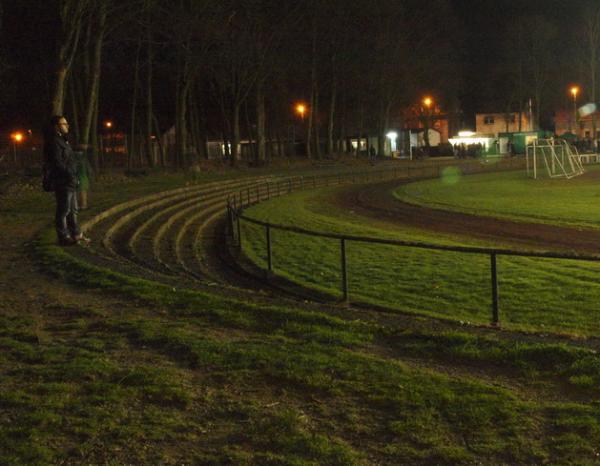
[483, 23]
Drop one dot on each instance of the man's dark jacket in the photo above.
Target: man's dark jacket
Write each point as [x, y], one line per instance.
[61, 160]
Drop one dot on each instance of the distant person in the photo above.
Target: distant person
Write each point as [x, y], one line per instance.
[63, 168]
[372, 154]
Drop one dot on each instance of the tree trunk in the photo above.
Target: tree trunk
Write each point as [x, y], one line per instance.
[253, 149]
[161, 148]
[317, 127]
[136, 75]
[380, 128]
[94, 81]
[71, 14]
[75, 110]
[149, 96]
[181, 125]
[330, 126]
[260, 122]
[96, 154]
[235, 136]
[59, 91]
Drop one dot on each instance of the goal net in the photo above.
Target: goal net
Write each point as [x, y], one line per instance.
[555, 158]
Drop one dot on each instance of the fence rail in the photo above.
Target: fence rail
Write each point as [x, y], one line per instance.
[236, 206]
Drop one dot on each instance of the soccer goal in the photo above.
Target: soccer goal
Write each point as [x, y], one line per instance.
[559, 159]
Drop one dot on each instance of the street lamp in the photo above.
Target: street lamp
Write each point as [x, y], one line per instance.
[428, 102]
[16, 138]
[301, 110]
[574, 91]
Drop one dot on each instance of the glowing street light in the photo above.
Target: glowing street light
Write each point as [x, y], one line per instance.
[17, 138]
[428, 102]
[574, 91]
[108, 124]
[301, 110]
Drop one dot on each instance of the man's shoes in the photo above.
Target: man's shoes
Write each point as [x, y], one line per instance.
[67, 241]
[81, 239]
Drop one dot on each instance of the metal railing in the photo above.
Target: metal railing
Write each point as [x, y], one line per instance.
[238, 202]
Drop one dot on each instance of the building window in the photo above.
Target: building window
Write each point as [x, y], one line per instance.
[587, 134]
[488, 120]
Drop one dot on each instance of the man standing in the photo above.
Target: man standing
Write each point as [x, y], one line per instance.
[63, 169]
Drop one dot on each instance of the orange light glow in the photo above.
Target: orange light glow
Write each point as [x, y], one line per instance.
[17, 137]
[301, 109]
[108, 124]
[427, 101]
[574, 91]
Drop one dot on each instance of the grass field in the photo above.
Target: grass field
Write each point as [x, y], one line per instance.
[513, 195]
[98, 367]
[542, 294]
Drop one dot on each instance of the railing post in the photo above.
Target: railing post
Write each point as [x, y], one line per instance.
[230, 218]
[344, 264]
[269, 250]
[495, 310]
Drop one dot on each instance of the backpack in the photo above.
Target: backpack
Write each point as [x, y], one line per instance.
[47, 178]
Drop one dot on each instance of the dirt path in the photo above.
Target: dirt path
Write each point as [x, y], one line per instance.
[376, 201]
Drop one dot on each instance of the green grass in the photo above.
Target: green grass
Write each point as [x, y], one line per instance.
[198, 378]
[513, 195]
[535, 294]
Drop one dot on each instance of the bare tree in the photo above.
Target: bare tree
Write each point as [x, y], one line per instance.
[535, 50]
[192, 33]
[71, 16]
[592, 42]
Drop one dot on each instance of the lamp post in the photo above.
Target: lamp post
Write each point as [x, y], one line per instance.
[574, 92]
[301, 110]
[428, 102]
[16, 138]
[108, 124]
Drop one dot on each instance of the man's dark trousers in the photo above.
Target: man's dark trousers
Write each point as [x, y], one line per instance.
[66, 214]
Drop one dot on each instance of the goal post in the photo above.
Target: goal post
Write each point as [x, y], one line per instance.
[554, 157]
